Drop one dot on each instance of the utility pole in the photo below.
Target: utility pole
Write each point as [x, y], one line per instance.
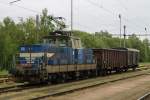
[124, 27]
[120, 28]
[71, 15]
[146, 44]
[37, 26]
[146, 32]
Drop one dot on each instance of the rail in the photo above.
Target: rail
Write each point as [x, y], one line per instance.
[52, 90]
[62, 91]
[5, 78]
[145, 97]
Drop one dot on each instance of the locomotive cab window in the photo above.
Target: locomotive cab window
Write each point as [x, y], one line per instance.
[63, 42]
[49, 41]
[58, 42]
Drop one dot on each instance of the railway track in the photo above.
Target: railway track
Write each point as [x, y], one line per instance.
[4, 76]
[23, 86]
[14, 88]
[145, 97]
[5, 80]
[85, 86]
[53, 90]
[20, 87]
[8, 78]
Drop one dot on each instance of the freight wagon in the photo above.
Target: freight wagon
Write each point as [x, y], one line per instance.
[61, 57]
[118, 59]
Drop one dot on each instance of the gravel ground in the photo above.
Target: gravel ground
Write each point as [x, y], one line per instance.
[128, 89]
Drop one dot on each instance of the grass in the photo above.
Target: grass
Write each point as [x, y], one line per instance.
[3, 72]
[144, 63]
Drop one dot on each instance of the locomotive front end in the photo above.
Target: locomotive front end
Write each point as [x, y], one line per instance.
[29, 62]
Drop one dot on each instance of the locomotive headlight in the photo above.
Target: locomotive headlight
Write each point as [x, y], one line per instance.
[49, 55]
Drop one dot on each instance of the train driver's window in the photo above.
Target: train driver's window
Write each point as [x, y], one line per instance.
[49, 41]
[62, 42]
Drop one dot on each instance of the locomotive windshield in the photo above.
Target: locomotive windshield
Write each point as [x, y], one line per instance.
[57, 41]
[62, 39]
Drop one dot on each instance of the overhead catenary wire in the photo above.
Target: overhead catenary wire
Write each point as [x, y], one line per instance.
[99, 6]
[91, 2]
[25, 8]
[122, 5]
[35, 11]
[31, 10]
[126, 9]
[111, 13]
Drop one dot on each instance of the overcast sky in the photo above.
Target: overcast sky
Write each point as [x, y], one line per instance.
[89, 15]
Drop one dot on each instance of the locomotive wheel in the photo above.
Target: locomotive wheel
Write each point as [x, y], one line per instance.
[103, 72]
[64, 77]
[125, 69]
[109, 71]
[133, 68]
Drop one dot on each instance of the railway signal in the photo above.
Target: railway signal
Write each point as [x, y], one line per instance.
[71, 15]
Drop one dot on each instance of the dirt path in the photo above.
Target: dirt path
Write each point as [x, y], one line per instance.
[129, 89]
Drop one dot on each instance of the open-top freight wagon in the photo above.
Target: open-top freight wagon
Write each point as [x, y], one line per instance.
[119, 59]
[61, 57]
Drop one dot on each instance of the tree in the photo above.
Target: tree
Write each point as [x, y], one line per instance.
[12, 34]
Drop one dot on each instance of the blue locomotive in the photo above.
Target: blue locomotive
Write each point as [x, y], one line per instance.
[61, 57]
[60, 54]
